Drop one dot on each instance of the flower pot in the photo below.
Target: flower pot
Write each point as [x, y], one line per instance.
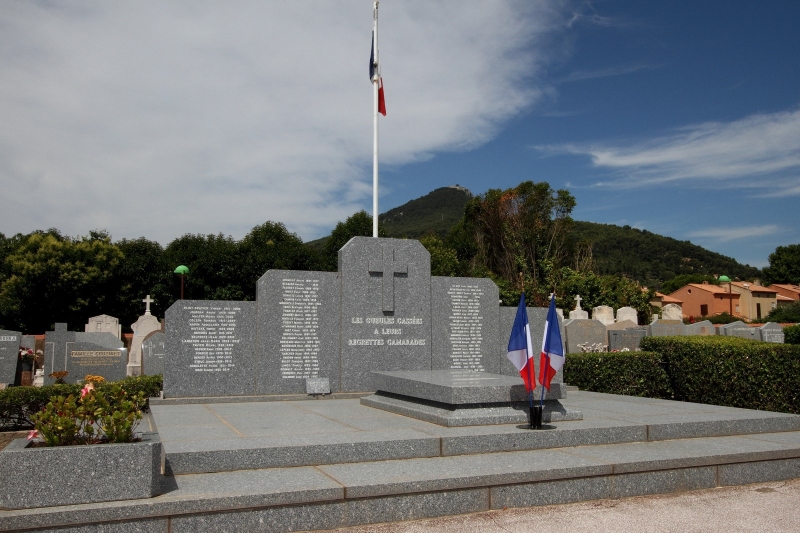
[67, 475]
[27, 367]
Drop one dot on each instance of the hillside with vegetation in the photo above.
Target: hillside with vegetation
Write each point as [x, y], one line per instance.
[436, 212]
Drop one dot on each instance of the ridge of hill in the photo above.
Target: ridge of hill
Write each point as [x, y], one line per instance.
[638, 254]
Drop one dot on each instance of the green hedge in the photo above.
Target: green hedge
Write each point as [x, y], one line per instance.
[731, 371]
[628, 373]
[791, 334]
[18, 403]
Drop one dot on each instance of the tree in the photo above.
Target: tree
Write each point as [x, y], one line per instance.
[683, 280]
[784, 265]
[143, 271]
[444, 260]
[521, 234]
[58, 279]
[215, 267]
[357, 225]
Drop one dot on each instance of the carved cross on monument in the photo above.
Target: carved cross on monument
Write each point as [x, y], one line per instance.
[388, 269]
[147, 302]
[578, 302]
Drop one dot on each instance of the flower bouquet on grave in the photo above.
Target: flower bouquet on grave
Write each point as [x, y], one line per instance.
[28, 357]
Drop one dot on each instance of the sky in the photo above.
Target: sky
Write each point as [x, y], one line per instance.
[160, 118]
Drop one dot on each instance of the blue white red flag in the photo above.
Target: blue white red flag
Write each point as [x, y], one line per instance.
[552, 357]
[375, 77]
[520, 349]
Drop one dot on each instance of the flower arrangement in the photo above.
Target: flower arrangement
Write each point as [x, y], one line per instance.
[27, 355]
[94, 417]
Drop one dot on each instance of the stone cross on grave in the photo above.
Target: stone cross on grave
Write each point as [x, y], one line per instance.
[388, 269]
[147, 302]
[578, 302]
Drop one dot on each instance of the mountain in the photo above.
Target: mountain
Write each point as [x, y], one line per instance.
[437, 212]
[638, 254]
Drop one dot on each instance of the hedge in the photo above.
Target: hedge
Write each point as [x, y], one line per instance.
[791, 334]
[627, 373]
[18, 403]
[731, 371]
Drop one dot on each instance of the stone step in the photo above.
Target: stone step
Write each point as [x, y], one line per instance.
[348, 494]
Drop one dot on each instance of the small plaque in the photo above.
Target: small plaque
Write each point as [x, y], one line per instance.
[318, 386]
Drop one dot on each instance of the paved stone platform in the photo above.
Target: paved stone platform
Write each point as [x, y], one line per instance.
[323, 464]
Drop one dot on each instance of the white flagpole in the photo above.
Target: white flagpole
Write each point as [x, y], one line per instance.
[375, 80]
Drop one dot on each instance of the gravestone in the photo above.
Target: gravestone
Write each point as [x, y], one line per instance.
[578, 313]
[153, 350]
[577, 332]
[9, 355]
[82, 353]
[386, 309]
[704, 327]
[464, 324]
[210, 347]
[666, 328]
[104, 324]
[144, 326]
[625, 339]
[625, 324]
[604, 314]
[297, 328]
[628, 313]
[672, 312]
[739, 329]
[771, 332]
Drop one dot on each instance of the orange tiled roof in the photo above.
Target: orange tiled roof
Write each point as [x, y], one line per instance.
[752, 287]
[668, 299]
[785, 298]
[793, 288]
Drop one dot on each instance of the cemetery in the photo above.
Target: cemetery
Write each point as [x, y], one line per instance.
[377, 393]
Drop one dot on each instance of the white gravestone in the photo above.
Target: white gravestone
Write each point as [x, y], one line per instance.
[146, 325]
[604, 314]
[104, 324]
[672, 312]
[628, 313]
[578, 313]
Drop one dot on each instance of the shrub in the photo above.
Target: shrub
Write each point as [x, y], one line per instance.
[791, 334]
[731, 371]
[628, 373]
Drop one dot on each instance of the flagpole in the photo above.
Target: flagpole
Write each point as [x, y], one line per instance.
[375, 79]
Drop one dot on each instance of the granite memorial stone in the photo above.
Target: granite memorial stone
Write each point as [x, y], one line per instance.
[625, 339]
[210, 349]
[672, 312]
[628, 313]
[586, 332]
[604, 314]
[82, 353]
[771, 332]
[297, 328]
[704, 327]
[9, 355]
[666, 328]
[153, 351]
[739, 329]
[464, 318]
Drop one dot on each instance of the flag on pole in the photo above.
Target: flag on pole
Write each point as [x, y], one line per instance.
[552, 357]
[375, 77]
[520, 348]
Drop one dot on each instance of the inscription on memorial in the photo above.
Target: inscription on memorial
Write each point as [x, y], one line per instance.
[212, 336]
[299, 344]
[466, 326]
[95, 358]
[384, 331]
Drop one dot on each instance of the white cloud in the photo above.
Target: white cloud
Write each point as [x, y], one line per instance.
[158, 118]
[730, 234]
[763, 148]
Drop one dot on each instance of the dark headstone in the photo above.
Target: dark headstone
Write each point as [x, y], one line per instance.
[587, 332]
[704, 327]
[210, 349]
[625, 339]
[771, 332]
[82, 353]
[153, 351]
[9, 355]
[297, 328]
[666, 328]
[464, 321]
[386, 309]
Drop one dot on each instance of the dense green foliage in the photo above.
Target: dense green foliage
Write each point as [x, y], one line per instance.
[731, 371]
[712, 370]
[791, 334]
[784, 265]
[628, 373]
[652, 259]
[436, 212]
[785, 314]
[358, 225]
[17, 404]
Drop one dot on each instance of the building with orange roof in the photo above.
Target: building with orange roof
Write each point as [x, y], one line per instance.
[788, 291]
[705, 299]
[660, 300]
[755, 301]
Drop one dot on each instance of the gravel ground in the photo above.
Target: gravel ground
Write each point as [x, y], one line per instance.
[762, 507]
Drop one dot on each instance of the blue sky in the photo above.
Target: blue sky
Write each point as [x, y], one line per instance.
[159, 118]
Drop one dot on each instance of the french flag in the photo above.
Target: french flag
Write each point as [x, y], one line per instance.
[552, 357]
[374, 71]
[520, 348]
